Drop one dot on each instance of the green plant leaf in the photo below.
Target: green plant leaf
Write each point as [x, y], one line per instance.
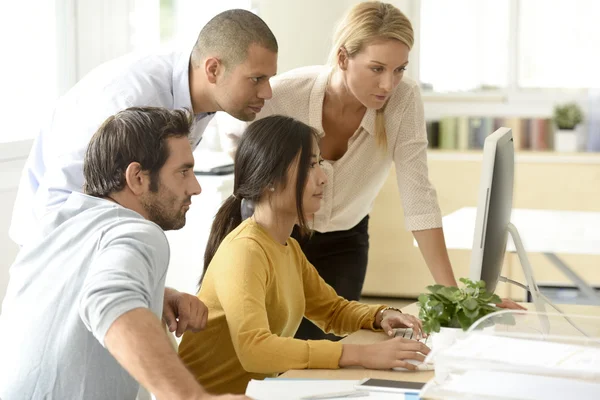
[455, 307]
[431, 326]
[434, 288]
[451, 293]
[466, 281]
[470, 304]
[472, 314]
[495, 299]
[464, 321]
[568, 116]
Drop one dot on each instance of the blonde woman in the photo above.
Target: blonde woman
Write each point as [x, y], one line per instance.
[368, 116]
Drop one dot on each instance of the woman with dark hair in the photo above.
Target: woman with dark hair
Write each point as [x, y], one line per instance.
[258, 284]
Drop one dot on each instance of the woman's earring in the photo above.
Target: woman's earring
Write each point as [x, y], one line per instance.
[272, 189]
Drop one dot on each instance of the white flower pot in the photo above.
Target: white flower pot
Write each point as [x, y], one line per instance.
[565, 140]
[446, 337]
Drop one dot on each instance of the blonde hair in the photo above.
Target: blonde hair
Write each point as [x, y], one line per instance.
[364, 23]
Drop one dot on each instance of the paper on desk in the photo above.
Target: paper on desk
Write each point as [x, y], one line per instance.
[481, 384]
[295, 389]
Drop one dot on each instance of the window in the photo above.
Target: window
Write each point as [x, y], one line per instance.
[174, 22]
[478, 45]
[464, 44]
[558, 44]
[29, 79]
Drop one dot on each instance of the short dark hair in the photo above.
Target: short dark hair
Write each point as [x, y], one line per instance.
[229, 35]
[136, 134]
[266, 152]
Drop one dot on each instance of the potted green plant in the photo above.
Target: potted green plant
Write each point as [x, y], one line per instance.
[566, 118]
[448, 311]
[455, 307]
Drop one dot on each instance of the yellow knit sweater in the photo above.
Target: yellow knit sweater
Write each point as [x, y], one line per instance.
[257, 291]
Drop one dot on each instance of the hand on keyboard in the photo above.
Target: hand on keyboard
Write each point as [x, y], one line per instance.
[392, 353]
[394, 319]
[419, 365]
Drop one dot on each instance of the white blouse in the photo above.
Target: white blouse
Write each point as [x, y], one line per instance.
[355, 179]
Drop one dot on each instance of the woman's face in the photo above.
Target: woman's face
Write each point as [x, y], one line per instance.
[374, 72]
[313, 189]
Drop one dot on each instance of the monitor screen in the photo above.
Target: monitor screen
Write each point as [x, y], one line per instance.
[494, 205]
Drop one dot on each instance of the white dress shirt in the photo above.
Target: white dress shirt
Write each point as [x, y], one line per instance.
[354, 181]
[55, 165]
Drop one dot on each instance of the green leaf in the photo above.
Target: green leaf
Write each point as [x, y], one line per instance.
[434, 288]
[495, 299]
[450, 292]
[470, 304]
[454, 322]
[464, 321]
[451, 306]
[472, 314]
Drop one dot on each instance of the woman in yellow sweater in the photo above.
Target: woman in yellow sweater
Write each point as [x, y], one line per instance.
[258, 284]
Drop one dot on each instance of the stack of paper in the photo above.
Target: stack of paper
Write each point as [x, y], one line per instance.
[297, 389]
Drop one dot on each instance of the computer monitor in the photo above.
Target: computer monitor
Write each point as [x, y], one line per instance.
[492, 224]
[494, 205]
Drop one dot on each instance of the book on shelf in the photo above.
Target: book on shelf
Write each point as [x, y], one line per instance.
[464, 132]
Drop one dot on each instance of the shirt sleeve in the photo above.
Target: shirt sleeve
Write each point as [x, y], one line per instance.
[333, 313]
[65, 143]
[124, 275]
[419, 198]
[241, 286]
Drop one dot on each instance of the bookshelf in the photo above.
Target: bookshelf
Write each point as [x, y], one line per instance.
[521, 156]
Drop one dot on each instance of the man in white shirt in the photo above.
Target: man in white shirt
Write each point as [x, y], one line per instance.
[81, 317]
[227, 70]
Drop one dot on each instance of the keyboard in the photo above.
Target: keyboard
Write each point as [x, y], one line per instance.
[408, 334]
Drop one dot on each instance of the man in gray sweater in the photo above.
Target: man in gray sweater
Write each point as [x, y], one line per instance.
[81, 317]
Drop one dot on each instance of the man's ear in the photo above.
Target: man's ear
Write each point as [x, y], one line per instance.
[136, 179]
[212, 68]
[342, 58]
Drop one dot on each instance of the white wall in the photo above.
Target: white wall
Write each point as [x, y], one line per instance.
[12, 159]
[304, 29]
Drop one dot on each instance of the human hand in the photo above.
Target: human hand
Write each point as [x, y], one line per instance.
[182, 312]
[395, 319]
[392, 353]
[226, 397]
[509, 304]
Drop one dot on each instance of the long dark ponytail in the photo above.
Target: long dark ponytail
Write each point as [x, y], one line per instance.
[265, 153]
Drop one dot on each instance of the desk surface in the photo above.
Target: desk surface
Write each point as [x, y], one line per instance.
[542, 231]
[367, 337]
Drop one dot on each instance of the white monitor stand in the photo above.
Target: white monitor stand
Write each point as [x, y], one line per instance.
[539, 299]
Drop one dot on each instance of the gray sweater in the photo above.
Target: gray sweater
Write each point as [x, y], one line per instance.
[92, 261]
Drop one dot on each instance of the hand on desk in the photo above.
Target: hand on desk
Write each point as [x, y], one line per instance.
[182, 312]
[511, 305]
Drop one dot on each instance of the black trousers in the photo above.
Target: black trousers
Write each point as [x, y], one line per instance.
[341, 259]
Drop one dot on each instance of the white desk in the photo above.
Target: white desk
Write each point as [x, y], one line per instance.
[542, 231]
[549, 232]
